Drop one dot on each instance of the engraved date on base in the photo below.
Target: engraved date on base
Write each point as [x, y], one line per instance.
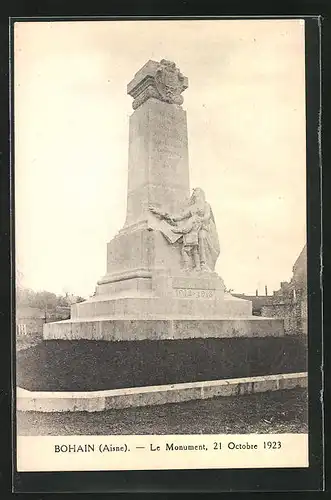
[190, 293]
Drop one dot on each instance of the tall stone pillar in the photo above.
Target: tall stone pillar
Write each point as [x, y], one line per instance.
[158, 171]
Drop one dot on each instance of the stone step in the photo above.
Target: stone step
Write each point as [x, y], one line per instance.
[93, 401]
[202, 306]
[121, 329]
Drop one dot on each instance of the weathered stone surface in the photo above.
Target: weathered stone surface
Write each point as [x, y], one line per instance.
[161, 329]
[143, 306]
[160, 80]
[154, 395]
[132, 286]
[139, 254]
[59, 401]
[158, 159]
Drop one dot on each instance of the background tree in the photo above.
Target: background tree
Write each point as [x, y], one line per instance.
[44, 300]
[47, 301]
[79, 299]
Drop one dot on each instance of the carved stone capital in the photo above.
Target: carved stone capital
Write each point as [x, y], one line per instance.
[159, 80]
[146, 94]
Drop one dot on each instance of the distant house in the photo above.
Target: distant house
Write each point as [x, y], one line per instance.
[290, 301]
[258, 301]
[29, 320]
[299, 279]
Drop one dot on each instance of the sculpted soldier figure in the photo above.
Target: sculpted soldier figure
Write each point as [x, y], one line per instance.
[196, 224]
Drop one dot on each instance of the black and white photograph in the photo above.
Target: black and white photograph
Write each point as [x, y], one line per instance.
[161, 244]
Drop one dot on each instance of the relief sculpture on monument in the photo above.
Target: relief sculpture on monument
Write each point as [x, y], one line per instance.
[169, 82]
[196, 226]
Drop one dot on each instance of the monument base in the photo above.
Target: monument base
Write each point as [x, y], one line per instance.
[142, 293]
[190, 305]
[146, 307]
[162, 329]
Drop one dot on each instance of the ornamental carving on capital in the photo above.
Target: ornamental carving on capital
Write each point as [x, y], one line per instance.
[169, 82]
[158, 80]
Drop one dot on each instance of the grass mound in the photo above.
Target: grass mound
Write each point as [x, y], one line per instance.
[98, 365]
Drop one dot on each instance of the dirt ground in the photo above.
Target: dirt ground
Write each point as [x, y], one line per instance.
[270, 412]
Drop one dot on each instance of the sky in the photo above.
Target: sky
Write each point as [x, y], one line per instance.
[246, 130]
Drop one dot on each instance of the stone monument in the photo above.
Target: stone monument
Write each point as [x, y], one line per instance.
[160, 327]
[161, 264]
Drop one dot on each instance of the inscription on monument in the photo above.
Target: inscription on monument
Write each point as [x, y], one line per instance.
[194, 293]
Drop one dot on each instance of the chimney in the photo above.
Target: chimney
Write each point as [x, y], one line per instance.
[256, 292]
[266, 290]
